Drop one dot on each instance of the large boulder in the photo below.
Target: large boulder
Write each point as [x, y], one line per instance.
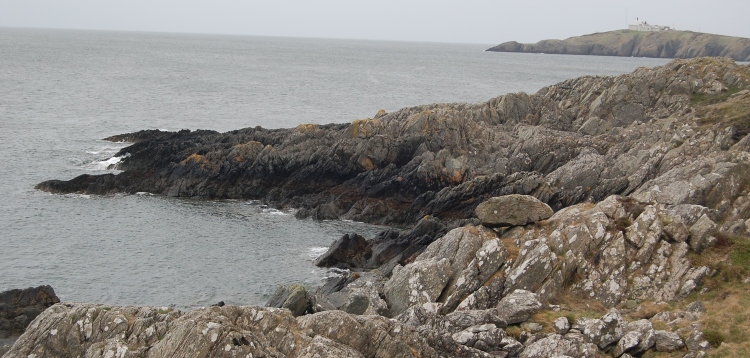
[518, 306]
[416, 283]
[555, 345]
[351, 250]
[668, 341]
[360, 296]
[512, 210]
[293, 297]
[19, 307]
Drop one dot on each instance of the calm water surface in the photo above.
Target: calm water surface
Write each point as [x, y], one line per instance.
[61, 91]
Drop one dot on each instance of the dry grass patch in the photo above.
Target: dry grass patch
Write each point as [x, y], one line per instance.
[726, 322]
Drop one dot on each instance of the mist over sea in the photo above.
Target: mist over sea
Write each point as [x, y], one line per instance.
[62, 91]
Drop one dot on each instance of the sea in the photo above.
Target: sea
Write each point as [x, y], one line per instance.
[62, 91]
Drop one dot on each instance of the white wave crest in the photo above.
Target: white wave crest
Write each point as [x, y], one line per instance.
[315, 252]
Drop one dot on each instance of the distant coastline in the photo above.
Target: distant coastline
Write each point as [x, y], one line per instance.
[629, 43]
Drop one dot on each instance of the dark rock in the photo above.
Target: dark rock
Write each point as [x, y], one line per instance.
[351, 250]
[388, 249]
[19, 307]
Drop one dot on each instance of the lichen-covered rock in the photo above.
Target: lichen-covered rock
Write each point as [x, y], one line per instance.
[561, 325]
[518, 306]
[372, 336]
[701, 234]
[696, 342]
[448, 271]
[555, 345]
[419, 282]
[667, 341]
[360, 296]
[615, 250]
[512, 210]
[97, 331]
[293, 297]
[602, 332]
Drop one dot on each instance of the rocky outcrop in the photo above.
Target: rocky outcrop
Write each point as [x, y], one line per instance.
[662, 44]
[643, 172]
[19, 307]
[580, 140]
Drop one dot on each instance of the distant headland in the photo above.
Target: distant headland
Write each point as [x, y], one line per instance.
[641, 39]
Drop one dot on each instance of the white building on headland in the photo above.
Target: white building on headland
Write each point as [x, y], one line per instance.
[641, 25]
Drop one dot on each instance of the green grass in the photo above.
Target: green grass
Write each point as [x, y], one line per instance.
[701, 98]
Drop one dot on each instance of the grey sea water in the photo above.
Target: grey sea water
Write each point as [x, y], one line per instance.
[61, 91]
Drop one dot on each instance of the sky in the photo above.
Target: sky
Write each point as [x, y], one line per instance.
[465, 21]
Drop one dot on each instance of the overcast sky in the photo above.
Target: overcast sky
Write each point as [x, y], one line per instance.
[467, 21]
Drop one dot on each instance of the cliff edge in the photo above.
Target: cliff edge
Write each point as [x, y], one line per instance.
[628, 43]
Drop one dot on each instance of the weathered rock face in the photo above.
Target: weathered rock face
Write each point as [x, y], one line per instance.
[512, 210]
[87, 330]
[580, 140]
[19, 307]
[448, 271]
[664, 44]
[293, 297]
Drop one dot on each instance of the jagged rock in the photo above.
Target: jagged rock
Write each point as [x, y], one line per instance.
[94, 330]
[465, 319]
[667, 341]
[448, 271]
[518, 306]
[293, 297]
[555, 345]
[628, 342]
[512, 210]
[372, 336]
[419, 282]
[19, 307]
[484, 297]
[602, 332]
[475, 255]
[696, 342]
[646, 335]
[561, 326]
[351, 250]
[360, 296]
[701, 234]
[486, 337]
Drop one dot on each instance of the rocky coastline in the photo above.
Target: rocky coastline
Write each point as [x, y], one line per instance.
[601, 216]
[628, 43]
